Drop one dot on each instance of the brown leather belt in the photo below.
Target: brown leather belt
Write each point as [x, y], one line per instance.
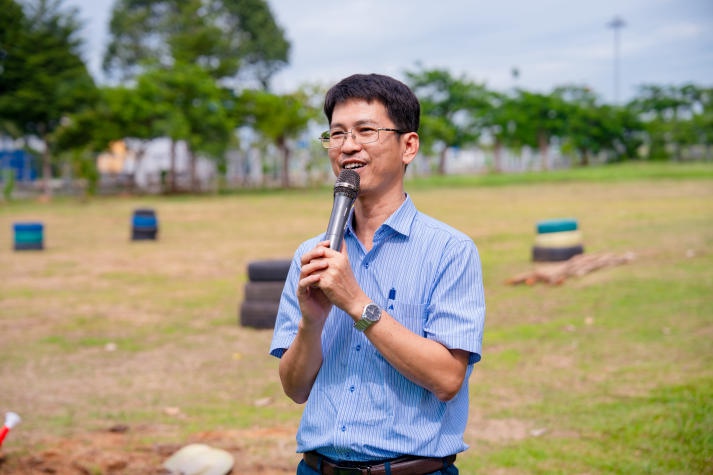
[399, 466]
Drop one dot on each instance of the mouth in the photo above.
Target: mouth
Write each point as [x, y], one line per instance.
[353, 165]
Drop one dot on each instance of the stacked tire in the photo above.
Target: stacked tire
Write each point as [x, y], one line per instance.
[28, 236]
[144, 225]
[557, 240]
[266, 279]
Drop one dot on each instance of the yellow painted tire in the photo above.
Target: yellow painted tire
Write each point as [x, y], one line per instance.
[560, 239]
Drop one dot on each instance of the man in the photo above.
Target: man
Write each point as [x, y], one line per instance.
[379, 338]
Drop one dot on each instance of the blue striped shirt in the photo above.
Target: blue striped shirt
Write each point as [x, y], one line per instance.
[426, 275]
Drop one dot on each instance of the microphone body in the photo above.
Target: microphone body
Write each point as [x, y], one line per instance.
[345, 192]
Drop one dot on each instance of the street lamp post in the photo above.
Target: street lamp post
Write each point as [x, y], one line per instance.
[616, 24]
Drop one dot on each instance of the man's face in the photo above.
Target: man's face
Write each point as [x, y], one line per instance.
[380, 164]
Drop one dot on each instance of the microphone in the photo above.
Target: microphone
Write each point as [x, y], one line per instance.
[345, 192]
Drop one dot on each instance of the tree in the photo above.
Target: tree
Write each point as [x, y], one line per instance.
[278, 118]
[451, 110]
[225, 38]
[540, 117]
[500, 121]
[187, 105]
[43, 76]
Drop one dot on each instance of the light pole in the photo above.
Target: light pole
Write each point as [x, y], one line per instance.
[616, 24]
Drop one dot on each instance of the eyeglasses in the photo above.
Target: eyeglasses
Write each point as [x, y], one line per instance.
[361, 135]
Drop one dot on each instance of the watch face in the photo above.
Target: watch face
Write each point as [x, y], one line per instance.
[372, 312]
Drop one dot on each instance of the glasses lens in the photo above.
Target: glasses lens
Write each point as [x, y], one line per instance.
[325, 139]
[367, 134]
[360, 135]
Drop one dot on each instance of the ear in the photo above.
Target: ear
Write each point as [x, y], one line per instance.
[410, 143]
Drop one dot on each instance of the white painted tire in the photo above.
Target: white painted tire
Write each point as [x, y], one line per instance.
[561, 239]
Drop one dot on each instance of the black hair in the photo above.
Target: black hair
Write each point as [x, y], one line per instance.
[401, 103]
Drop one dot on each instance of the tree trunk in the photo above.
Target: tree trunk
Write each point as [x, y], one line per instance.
[542, 141]
[194, 175]
[282, 144]
[131, 185]
[442, 161]
[498, 156]
[46, 168]
[172, 172]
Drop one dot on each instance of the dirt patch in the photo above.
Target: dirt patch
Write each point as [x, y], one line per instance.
[119, 450]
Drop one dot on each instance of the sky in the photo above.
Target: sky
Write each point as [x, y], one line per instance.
[548, 42]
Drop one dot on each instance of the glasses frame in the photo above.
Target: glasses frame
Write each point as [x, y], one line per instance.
[326, 137]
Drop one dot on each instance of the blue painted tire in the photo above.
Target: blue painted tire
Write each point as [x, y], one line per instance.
[144, 225]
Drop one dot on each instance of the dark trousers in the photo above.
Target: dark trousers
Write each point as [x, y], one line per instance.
[304, 469]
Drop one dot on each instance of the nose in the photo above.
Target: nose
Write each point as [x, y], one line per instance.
[350, 141]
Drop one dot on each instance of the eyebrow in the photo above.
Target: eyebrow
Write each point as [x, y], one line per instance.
[356, 124]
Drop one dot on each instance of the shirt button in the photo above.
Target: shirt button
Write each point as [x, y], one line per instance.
[358, 348]
[343, 428]
[366, 264]
[351, 389]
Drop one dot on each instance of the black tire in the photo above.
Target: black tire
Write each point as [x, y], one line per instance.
[143, 234]
[555, 254]
[258, 314]
[29, 246]
[268, 271]
[264, 291]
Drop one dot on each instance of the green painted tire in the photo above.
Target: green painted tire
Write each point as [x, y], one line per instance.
[556, 225]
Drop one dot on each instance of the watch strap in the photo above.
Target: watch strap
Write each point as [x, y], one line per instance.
[369, 315]
[363, 324]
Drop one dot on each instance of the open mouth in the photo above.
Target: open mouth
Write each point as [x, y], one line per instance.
[353, 166]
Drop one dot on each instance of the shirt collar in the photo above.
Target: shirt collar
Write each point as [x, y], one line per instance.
[400, 221]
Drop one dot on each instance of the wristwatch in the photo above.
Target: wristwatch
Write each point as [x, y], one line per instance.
[369, 316]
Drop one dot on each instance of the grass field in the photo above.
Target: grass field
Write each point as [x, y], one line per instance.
[113, 347]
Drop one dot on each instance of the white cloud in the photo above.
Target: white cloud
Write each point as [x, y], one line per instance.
[551, 41]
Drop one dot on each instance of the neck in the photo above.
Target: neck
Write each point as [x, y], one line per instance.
[369, 215]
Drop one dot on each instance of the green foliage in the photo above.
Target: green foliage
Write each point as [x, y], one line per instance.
[675, 118]
[44, 76]
[277, 118]
[224, 38]
[450, 110]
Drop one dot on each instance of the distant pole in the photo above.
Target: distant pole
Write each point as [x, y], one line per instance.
[616, 24]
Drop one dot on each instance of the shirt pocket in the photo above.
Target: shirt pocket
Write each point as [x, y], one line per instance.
[410, 315]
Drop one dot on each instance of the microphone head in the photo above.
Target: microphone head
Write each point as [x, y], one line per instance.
[347, 184]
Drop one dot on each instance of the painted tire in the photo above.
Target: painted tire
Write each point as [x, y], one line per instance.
[556, 225]
[269, 271]
[561, 239]
[144, 225]
[29, 246]
[258, 314]
[556, 254]
[264, 291]
[28, 236]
